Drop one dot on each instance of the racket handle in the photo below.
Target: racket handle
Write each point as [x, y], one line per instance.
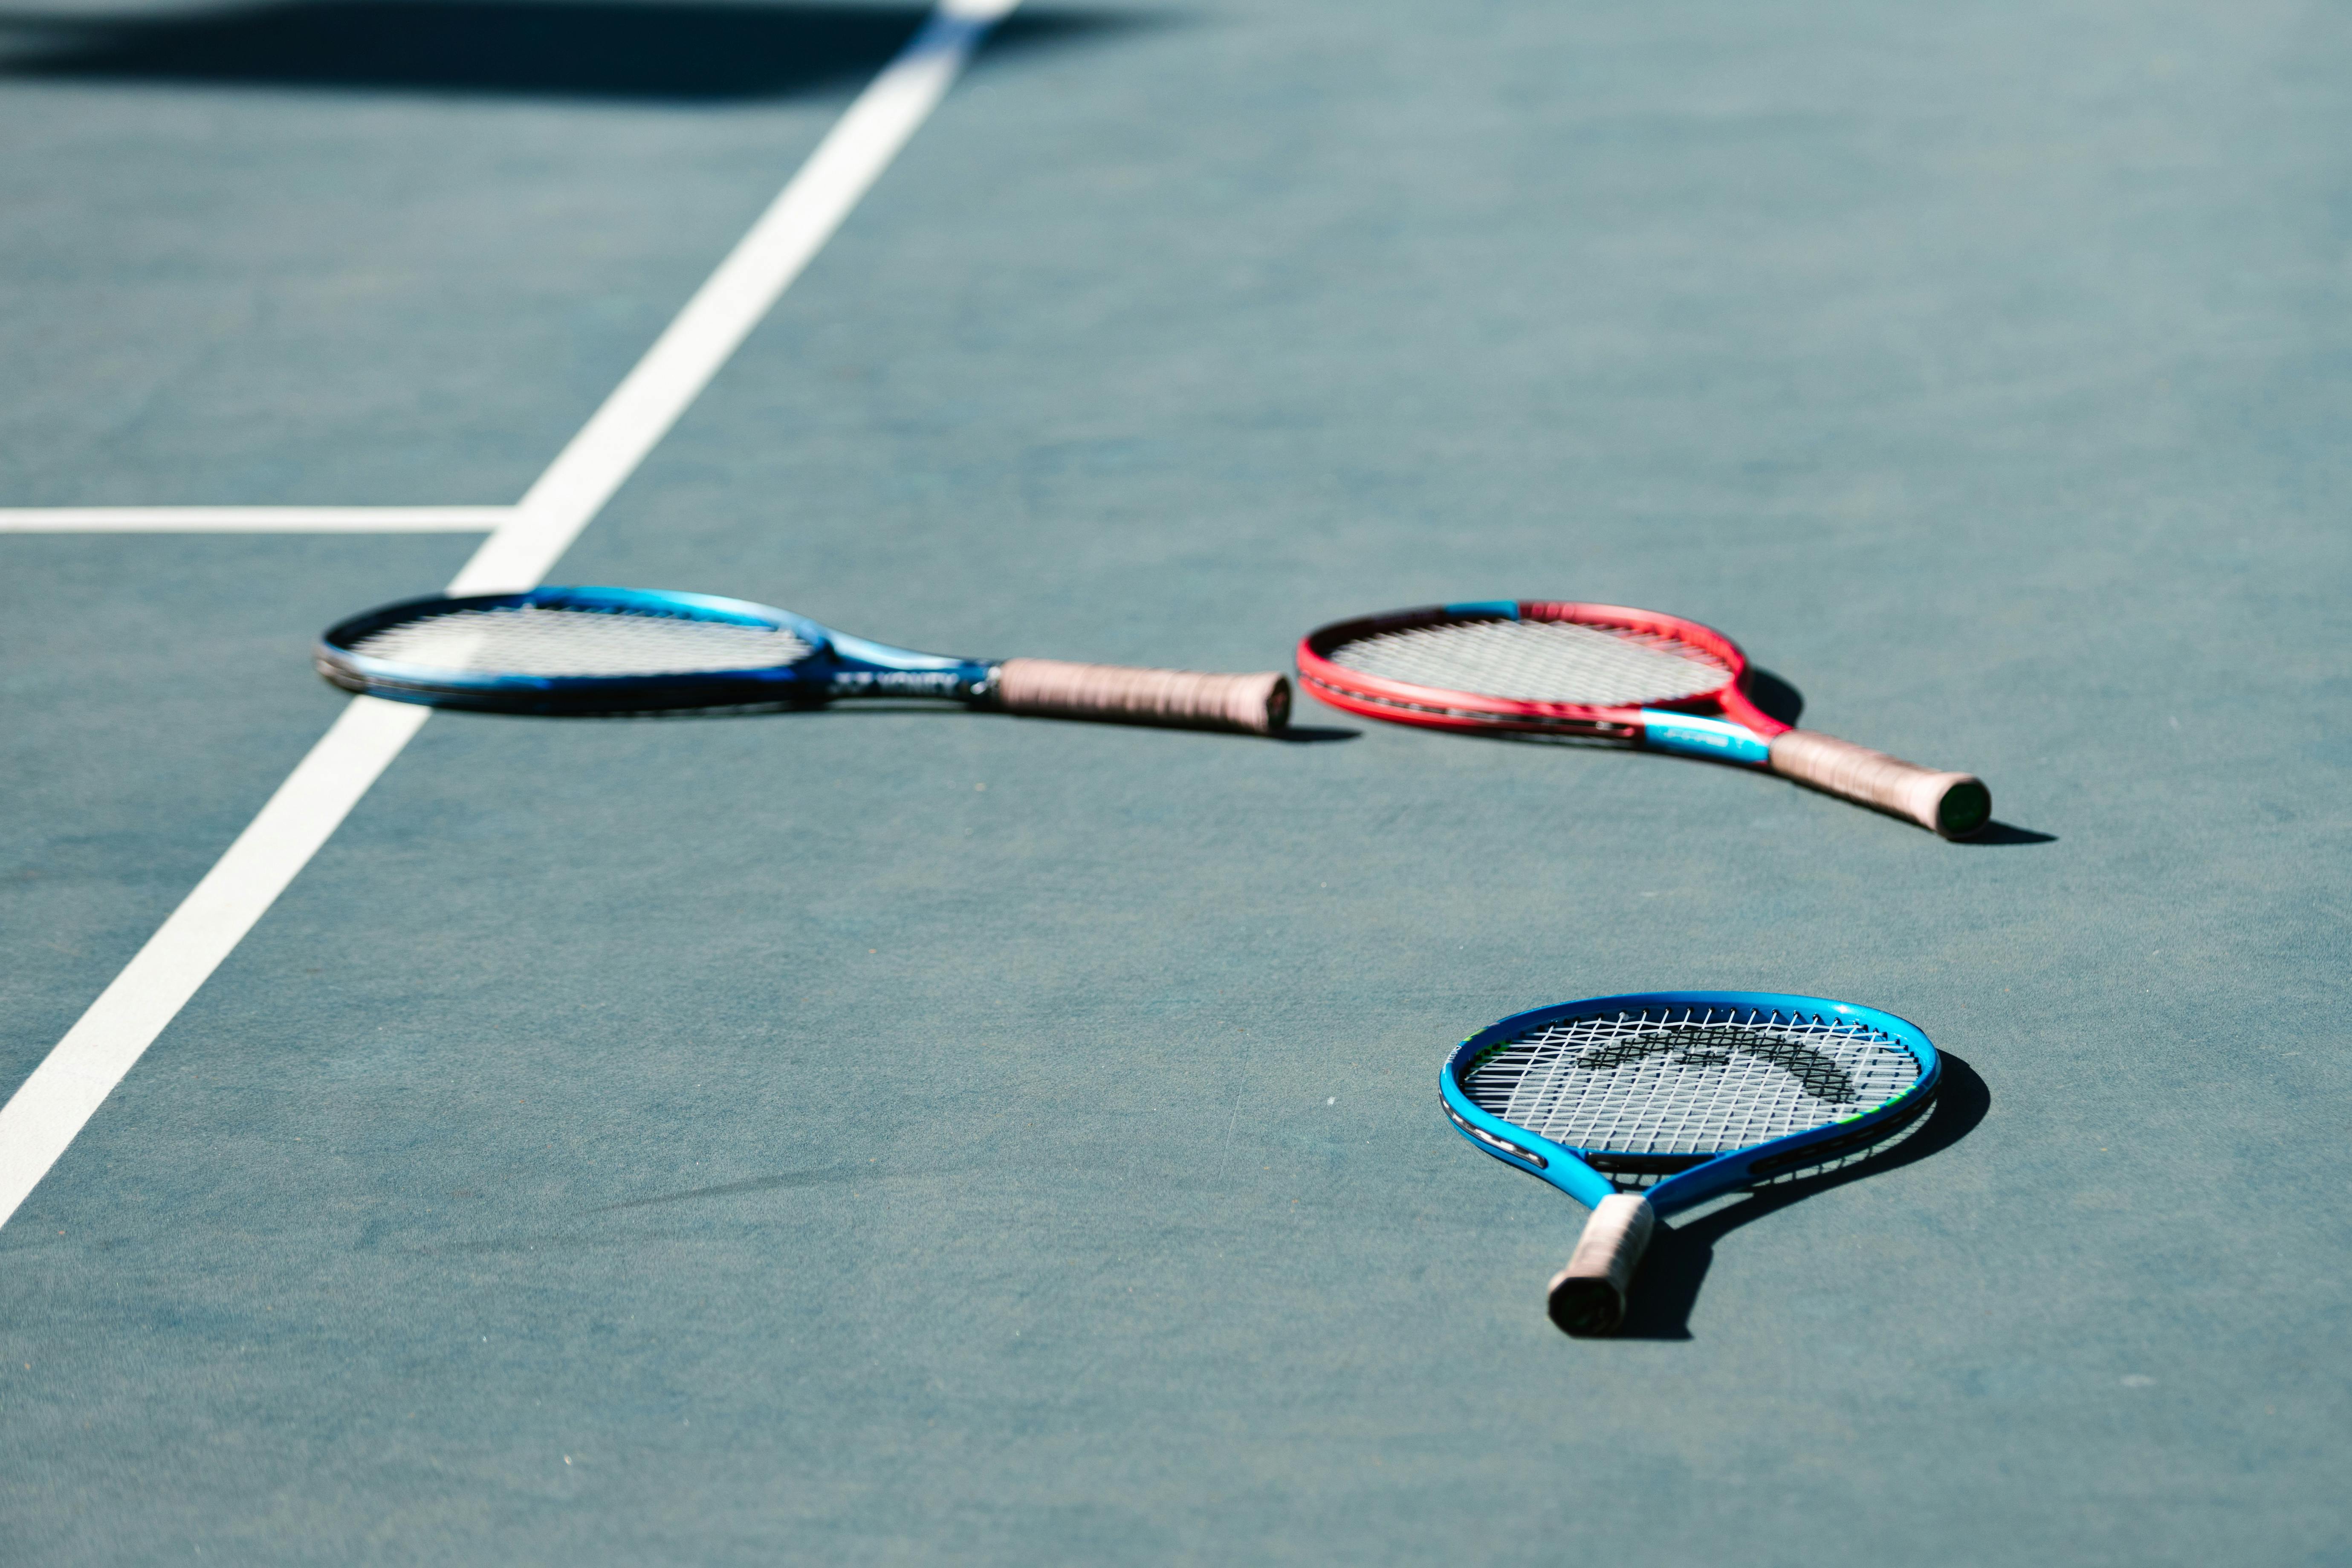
[1256, 704]
[1954, 804]
[1588, 1297]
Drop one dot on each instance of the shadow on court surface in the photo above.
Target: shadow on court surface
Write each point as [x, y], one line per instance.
[516, 47]
[1296, 735]
[1679, 1256]
[782, 1182]
[1996, 834]
[1775, 696]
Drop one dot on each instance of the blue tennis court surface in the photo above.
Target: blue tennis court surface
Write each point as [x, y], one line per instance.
[904, 1136]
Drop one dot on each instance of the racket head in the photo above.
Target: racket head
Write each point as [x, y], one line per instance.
[1528, 665]
[1684, 1095]
[615, 650]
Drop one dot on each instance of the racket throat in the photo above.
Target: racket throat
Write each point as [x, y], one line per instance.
[1711, 740]
[973, 683]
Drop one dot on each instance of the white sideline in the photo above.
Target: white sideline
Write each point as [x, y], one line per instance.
[253, 518]
[50, 1109]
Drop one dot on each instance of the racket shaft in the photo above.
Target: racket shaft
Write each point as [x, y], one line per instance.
[1588, 1297]
[1954, 804]
[1254, 704]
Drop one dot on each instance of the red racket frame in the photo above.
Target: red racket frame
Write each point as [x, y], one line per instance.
[1402, 702]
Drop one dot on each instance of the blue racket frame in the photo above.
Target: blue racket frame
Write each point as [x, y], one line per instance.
[1566, 1169]
[840, 666]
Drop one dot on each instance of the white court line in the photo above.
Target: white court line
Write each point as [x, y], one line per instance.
[253, 518]
[54, 1104]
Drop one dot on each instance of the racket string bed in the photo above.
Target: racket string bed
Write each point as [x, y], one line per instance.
[1652, 1084]
[1640, 1175]
[1539, 661]
[1870, 1148]
[537, 640]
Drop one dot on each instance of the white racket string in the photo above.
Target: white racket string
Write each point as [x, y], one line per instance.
[1843, 1157]
[1688, 1081]
[1539, 661]
[536, 641]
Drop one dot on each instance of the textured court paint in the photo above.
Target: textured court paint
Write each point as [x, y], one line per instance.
[724, 311]
[1136, 1234]
[41, 1118]
[49, 1109]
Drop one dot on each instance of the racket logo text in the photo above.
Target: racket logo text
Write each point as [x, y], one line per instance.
[905, 682]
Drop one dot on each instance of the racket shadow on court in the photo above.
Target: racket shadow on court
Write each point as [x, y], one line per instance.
[1295, 735]
[1674, 1268]
[684, 52]
[1292, 735]
[1775, 696]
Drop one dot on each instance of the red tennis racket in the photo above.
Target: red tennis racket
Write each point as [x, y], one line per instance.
[1607, 673]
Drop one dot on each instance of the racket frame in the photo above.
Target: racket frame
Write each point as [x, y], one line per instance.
[1954, 805]
[837, 665]
[1679, 725]
[1684, 1180]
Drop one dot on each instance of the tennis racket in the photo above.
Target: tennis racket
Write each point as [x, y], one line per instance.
[1607, 673]
[627, 650]
[1641, 1106]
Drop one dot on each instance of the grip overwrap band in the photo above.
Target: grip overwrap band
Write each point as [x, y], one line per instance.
[1588, 1297]
[1253, 704]
[1954, 804]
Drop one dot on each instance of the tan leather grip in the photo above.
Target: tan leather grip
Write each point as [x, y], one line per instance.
[1954, 804]
[1254, 704]
[1588, 1297]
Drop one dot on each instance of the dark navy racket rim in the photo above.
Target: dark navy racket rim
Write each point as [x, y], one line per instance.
[1406, 702]
[338, 652]
[1689, 1180]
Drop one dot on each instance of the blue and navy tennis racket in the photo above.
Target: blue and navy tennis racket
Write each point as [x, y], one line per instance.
[628, 650]
[1641, 1106]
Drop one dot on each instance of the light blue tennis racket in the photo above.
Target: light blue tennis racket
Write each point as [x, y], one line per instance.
[1640, 1106]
